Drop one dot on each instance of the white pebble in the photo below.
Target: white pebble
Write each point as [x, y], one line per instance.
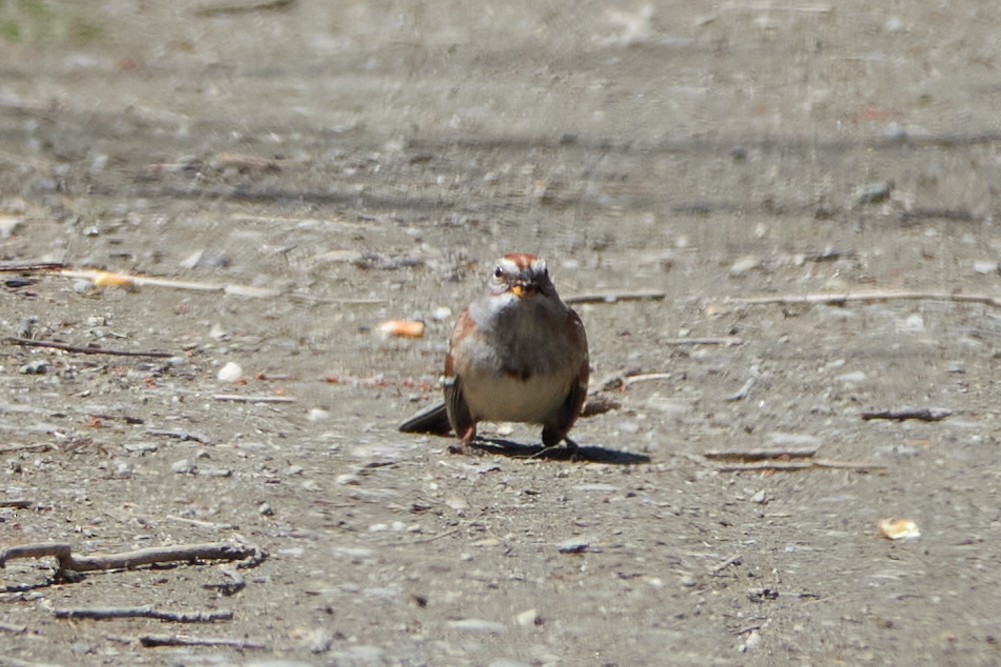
[985, 267]
[441, 313]
[528, 618]
[744, 265]
[231, 372]
[182, 467]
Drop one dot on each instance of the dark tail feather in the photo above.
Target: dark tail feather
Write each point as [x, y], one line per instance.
[433, 419]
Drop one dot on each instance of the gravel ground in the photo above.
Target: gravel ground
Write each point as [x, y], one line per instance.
[325, 167]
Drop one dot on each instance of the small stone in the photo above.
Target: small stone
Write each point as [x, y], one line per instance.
[874, 193]
[478, 625]
[985, 267]
[528, 618]
[183, 467]
[317, 414]
[913, 324]
[851, 378]
[752, 642]
[759, 497]
[574, 545]
[231, 372]
[744, 265]
[141, 447]
[9, 225]
[36, 367]
[441, 313]
[265, 510]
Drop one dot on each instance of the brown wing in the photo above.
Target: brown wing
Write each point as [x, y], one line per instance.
[558, 429]
[455, 403]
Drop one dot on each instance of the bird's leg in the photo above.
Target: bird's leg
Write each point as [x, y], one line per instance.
[465, 443]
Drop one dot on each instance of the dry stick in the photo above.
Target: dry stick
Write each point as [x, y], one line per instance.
[29, 342]
[760, 454]
[183, 436]
[29, 267]
[724, 340]
[13, 629]
[876, 295]
[18, 448]
[254, 399]
[613, 297]
[779, 466]
[101, 613]
[185, 640]
[17, 503]
[181, 552]
[922, 414]
[719, 567]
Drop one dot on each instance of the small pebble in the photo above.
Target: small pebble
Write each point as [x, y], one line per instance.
[441, 313]
[574, 545]
[528, 618]
[37, 367]
[478, 625]
[231, 372]
[183, 467]
[985, 267]
[317, 414]
[752, 642]
[141, 447]
[265, 510]
[744, 265]
[759, 497]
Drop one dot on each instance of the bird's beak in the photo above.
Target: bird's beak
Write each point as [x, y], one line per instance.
[523, 289]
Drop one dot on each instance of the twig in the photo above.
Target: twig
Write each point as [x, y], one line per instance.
[732, 560]
[17, 503]
[900, 414]
[183, 436]
[645, 377]
[781, 466]
[742, 393]
[760, 454]
[425, 540]
[129, 559]
[204, 524]
[101, 613]
[29, 342]
[230, 8]
[724, 340]
[29, 267]
[839, 299]
[17, 448]
[187, 640]
[613, 297]
[254, 399]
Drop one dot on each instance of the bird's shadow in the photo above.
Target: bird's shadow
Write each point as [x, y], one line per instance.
[583, 453]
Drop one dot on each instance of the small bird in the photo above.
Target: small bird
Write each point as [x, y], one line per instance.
[517, 354]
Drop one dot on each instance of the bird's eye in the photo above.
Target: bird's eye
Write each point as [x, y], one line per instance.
[498, 272]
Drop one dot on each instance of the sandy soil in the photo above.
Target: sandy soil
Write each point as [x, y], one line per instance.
[369, 161]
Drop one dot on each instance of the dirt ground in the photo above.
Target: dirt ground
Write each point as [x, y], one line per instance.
[368, 161]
